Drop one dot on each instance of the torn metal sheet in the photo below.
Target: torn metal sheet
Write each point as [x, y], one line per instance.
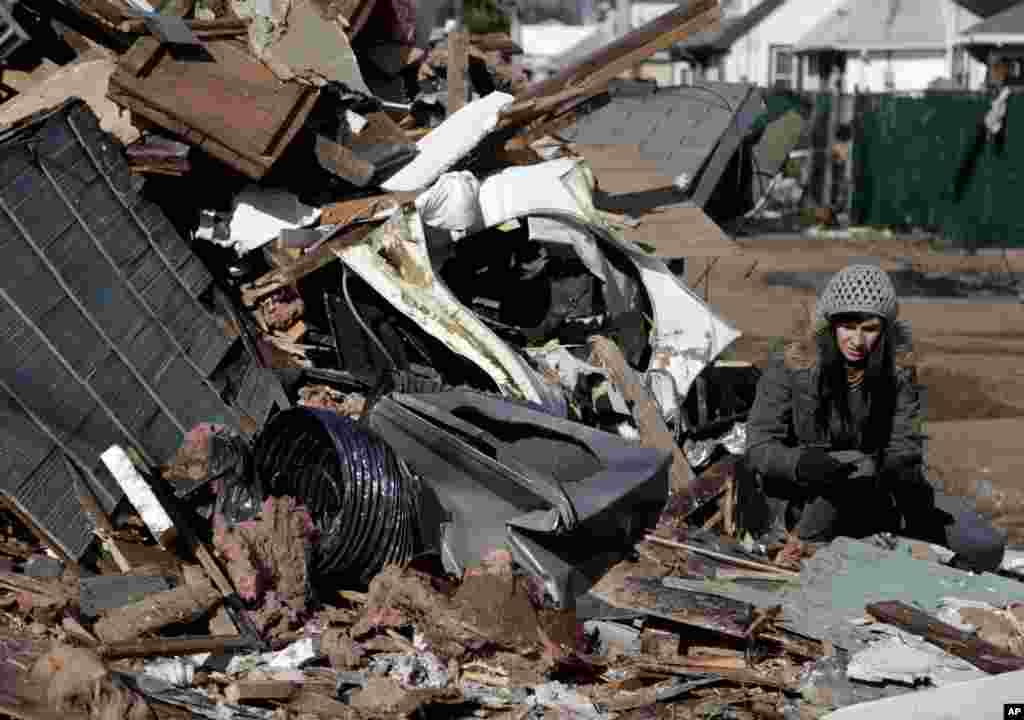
[196, 702]
[394, 261]
[687, 334]
[505, 474]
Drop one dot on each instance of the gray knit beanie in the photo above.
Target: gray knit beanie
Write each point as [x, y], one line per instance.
[859, 289]
[863, 289]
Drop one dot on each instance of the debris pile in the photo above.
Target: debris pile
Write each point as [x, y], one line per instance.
[351, 374]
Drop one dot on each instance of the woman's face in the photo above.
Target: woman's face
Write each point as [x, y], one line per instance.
[857, 337]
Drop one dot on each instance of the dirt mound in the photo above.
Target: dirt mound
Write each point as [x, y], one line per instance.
[952, 395]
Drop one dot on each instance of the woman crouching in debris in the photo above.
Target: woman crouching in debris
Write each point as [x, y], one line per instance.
[834, 436]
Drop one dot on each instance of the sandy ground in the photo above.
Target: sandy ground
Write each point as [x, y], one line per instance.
[970, 356]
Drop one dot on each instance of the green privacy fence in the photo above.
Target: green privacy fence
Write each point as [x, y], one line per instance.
[927, 162]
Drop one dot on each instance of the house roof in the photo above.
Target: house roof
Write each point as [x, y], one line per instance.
[729, 30]
[986, 8]
[1006, 26]
[879, 25]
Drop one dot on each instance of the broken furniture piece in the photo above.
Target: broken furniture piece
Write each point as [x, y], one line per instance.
[226, 103]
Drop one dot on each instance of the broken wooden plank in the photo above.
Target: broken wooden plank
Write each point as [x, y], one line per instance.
[106, 11]
[44, 593]
[731, 559]
[347, 212]
[526, 111]
[224, 27]
[608, 62]
[457, 61]
[965, 645]
[746, 676]
[654, 432]
[541, 130]
[172, 647]
[323, 255]
[248, 690]
[592, 75]
[159, 610]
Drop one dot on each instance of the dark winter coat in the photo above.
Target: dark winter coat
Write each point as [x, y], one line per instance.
[783, 418]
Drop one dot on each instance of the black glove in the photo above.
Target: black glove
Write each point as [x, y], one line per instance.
[816, 468]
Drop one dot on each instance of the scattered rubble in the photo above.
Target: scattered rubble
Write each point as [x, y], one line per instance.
[346, 378]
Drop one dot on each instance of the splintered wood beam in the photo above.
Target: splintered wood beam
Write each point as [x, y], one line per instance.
[248, 690]
[458, 58]
[610, 61]
[983, 655]
[155, 647]
[737, 561]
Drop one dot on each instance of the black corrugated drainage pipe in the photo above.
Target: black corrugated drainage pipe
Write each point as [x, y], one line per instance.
[363, 499]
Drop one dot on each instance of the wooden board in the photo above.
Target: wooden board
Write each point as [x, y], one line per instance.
[457, 59]
[228, 103]
[955, 641]
[615, 58]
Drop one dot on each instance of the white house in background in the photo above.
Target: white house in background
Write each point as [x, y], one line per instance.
[754, 41]
[870, 45]
[742, 49]
[998, 41]
[546, 45]
[886, 45]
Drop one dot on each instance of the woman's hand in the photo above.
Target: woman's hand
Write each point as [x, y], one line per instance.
[816, 467]
[863, 464]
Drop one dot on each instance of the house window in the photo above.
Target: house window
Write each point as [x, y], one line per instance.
[783, 67]
[812, 65]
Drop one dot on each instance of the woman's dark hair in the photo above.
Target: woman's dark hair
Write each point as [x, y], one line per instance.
[879, 389]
